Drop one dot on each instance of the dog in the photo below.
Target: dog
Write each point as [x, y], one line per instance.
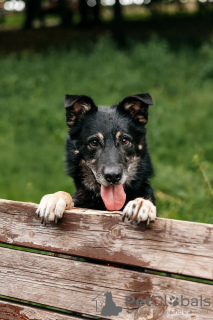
[107, 156]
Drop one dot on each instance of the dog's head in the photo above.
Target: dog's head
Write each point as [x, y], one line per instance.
[106, 145]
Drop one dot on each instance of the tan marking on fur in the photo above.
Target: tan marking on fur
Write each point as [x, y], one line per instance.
[136, 105]
[88, 177]
[118, 134]
[140, 147]
[67, 198]
[79, 106]
[100, 136]
[138, 202]
[93, 160]
[76, 151]
[141, 119]
[71, 119]
[132, 169]
[136, 110]
[87, 107]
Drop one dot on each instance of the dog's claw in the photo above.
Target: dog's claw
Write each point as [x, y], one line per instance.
[129, 217]
[148, 220]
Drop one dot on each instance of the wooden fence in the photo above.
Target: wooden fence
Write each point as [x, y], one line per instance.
[93, 265]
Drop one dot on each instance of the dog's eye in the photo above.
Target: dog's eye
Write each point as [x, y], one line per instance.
[124, 141]
[94, 142]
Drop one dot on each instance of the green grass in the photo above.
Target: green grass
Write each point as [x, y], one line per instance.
[14, 20]
[32, 122]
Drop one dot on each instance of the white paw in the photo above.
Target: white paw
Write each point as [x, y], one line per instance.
[52, 206]
[140, 210]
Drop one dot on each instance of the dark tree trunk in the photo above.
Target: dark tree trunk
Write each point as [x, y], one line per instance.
[83, 9]
[33, 10]
[118, 11]
[97, 12]
[118, 25]
[65, 13]
[87, 12]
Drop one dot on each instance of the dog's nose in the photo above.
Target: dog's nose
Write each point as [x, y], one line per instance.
[112, 174]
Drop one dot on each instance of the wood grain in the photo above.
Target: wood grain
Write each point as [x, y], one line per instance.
[72, 285]
[15, 311]
[181, 247]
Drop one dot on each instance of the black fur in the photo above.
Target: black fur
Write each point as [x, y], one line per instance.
[107, 145]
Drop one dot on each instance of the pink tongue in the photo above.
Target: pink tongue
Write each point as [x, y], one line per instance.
[113, 196]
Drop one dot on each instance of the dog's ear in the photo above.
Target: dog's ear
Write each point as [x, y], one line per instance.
[76, 107]
[137, 107]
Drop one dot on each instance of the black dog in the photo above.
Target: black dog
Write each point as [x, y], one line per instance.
[107, 156]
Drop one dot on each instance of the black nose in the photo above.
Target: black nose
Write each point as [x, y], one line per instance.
[113, 174]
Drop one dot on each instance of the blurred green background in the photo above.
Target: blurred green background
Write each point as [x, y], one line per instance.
[167, 51]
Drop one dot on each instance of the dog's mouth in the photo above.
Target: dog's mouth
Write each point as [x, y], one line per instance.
[113, 196]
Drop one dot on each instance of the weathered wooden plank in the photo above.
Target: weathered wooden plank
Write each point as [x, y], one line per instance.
[15, 311]
[73, 285]
[166, 245]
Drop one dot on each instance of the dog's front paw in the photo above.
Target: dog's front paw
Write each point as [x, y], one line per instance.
[52, 206]
[140, 210]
